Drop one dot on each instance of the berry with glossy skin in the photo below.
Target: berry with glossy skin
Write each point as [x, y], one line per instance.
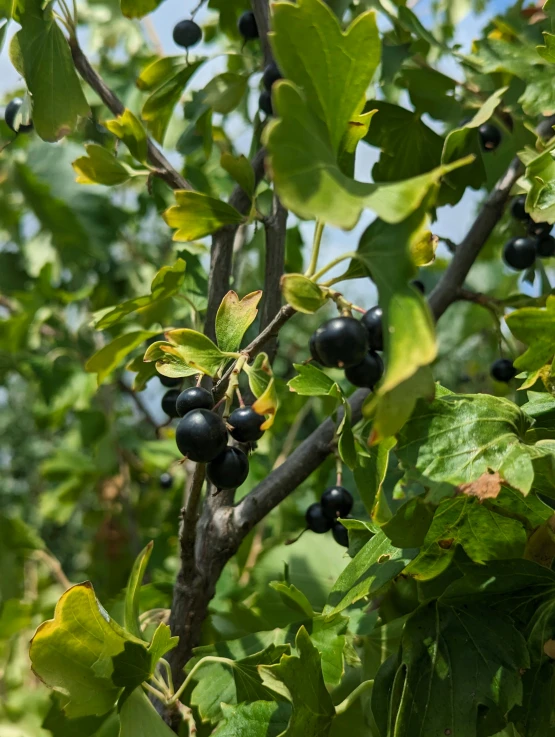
[187, 33]
[373, 322]
[169, 402]
[169, 382]
[545, 247]
[520, 253]
[503, 370]
[246, 425]
[490, 136]
[518, 209]
[228, 470]
[247, 26]
[10, 114]
[341, 342]
[316, 520]
[271, 75]
[201, 435]
[539, 230]
[312, 348]
[196, 397]
[265, 103]
[367, 373]
[340, 534]
[336, 502]
[166, 481]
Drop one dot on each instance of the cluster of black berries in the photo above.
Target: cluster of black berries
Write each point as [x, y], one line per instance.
[521, 252]
[202, 435]
[269, 78]
[344, 342]
[324, 515]
[10, 115]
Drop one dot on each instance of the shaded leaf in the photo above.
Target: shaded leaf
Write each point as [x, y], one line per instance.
[100, 167]
[535, 327]
[225, 91]
[131, 611]
[258, 719]
[129, 129]
[259, 373]
[239, 168]
[196, 215]
[302, 293]
[311, 381]
[196, 349]
[108, 358]
[139, 718]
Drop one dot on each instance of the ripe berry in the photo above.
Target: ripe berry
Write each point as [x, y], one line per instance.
[490, 136]
[373, 322]
[340, 534]
[166, 481]
[187, 33]
[545, 247]
[271, 75]
[520, 253]
[341, 342]
[201, 435]
[196, 397]
[228, 470]
[10, 114]
[316, 520]
[312, 348]
[518, 208]
[247, 26]
[503, 370]
[336, 502]
[367, 373]
[417, 284]
[265, 103]
[246, 425]
[169, 382]
[539, 230]
[169, 403]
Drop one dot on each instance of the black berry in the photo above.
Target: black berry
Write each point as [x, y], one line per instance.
[336, 502]
[246, 425]
[196, 397]
[166, 481]
[518, 208]
[228, 470]
[539, 230]
[169, 382]
[520, 253]
[247, 26]
[12, 109]
[417, 284]
[316, 520]
[503, 370]
[490, 136]
[367, 373]
[187, 33]
[340, 534]
[265, 103]
[169, 403]
[545, 247]
[271, 75]
[312, 348]
[201, 435]
[341, 342]
[373, 322]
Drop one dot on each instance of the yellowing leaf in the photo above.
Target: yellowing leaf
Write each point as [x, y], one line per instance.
[100, 167]
[234, 317]
[130, 130]
[196, 215]
[267, 404]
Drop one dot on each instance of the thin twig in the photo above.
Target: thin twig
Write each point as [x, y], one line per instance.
[55, 567]
[140, 406]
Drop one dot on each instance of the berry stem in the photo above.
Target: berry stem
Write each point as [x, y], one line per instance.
[233, 385]
[334, 262]
[318, 232]
[339, 470]
[239, 397]
[353, 696]
[187, 681]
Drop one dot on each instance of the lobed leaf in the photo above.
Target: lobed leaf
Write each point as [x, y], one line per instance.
[234, 317]
[196, 215]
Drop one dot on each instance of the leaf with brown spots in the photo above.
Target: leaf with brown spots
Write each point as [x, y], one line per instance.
[487, 486]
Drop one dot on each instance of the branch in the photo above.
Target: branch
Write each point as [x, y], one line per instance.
[162, 166]
[275, 229]
[261, 10]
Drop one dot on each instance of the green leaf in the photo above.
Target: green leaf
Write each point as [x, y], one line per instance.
[409, 525]
[138, 8]
[259, 373]
[346, 441]
[410, 21]
[196, 349]
[240, 169]
[129, 129]
[166, 79]
[131, 611]
[293, 598]
[302, 293]
[547, 51]
[453, 662]
[139, 718]
[234, 317]
[312, 382]
[300, 681]
[109, 358]
[225, 91]
[165, 284]
[375, 566]
[371, 470]
[308, 178]
[136, 664]
[170, 361]
[100, 167]
[144, 372]
[58, 99]
[72, 653]
[332, 67]
[258, 719]
[162, 643]
[535, 327]
[196, 215]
